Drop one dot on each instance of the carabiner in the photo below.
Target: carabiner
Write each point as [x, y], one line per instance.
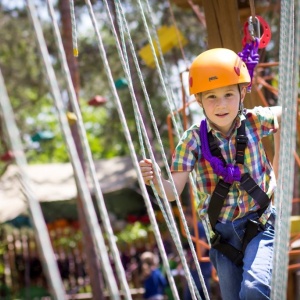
[250, 33]
[254, 32]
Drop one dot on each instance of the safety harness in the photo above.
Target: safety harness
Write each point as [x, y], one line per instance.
[212, 152]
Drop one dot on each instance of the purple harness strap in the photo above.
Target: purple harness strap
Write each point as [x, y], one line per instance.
[229, 172]
[250, 57]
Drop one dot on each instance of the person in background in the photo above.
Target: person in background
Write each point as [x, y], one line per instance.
[153, 280]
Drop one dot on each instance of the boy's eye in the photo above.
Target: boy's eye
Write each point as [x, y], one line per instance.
[229, 95]
[211, 96]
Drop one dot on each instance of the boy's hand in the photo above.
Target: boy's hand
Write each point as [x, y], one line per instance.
[147, 170]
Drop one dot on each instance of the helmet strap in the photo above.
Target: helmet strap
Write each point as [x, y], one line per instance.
[241, 104]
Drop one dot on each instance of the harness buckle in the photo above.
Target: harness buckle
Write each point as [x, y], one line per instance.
[242, 139]
[260, 227]
[215, 240]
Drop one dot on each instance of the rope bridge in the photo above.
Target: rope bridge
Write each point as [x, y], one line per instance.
[289, 69]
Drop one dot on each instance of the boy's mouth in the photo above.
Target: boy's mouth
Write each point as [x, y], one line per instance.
[222, 115]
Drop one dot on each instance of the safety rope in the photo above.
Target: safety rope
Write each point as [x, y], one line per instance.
[127, 132]
[82, 187]
[164, 158]
[36, 214]
[229, 172]
[166, 77]
[288, 94]
[138, 116]
[166, 164]
[177, 35]
[74, 31]
[88, 154]
[134, 97]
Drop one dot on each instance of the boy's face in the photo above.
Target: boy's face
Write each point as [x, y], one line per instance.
[221, 105]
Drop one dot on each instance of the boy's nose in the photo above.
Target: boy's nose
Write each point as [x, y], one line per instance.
[221, 101]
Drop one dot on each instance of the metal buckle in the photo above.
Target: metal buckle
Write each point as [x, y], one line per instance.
[242, 139]
[254, 32]
[215, 240]
[260, 226]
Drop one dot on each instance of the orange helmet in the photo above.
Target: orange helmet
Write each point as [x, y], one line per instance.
[217, 68]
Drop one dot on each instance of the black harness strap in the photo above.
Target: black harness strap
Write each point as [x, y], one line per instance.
[235, 255]
[221, 191]
[216, 202]
[250, 186]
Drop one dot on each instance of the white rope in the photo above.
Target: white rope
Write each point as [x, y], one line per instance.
[172, 227]
[177, 241]
[288, 92]
[90, 163]
[167, 166]
[128, 136]
[42, 236]
[165, 73]
[74, 31]
[82, 187]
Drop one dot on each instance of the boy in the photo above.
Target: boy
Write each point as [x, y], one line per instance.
[233, 172]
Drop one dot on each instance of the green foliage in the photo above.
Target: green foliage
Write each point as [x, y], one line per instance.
[29, 92]
[132, 233]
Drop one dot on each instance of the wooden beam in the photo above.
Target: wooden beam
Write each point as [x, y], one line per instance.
[223, 24]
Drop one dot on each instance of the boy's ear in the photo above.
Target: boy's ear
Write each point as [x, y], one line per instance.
[243, 92]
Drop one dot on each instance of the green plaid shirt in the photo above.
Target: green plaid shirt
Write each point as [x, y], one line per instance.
[259, 122]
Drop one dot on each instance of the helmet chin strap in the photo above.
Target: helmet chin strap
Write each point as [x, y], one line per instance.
[241, 105]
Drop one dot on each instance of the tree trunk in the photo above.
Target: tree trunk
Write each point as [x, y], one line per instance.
[94, 269]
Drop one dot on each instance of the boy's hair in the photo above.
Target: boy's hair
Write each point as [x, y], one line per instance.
[217, 68]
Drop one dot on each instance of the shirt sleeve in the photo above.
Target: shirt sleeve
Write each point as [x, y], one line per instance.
[263, 120]
[187, 151]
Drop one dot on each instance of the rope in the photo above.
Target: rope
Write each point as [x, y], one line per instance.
[74, 31]
[176, 124]
[87, 151]
[127, 133]
[229, 172]
[252, 9]
[166, 77]
[43, 240]
[165, 160]
[178, 39]
[178, 244]
[149, 146]
[139, 118]
[78, 171]
[288, 85]
[168, 169]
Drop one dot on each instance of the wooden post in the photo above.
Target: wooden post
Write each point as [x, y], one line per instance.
[223, 24]
[94, 268]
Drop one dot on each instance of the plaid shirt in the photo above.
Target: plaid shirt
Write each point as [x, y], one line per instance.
[260, 122]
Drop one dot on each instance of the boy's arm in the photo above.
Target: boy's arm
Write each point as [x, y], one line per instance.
[278, 112]
[179, 178]
[276, 152]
